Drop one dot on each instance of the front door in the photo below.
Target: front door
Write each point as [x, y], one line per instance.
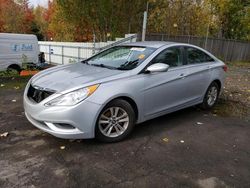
[166, 90]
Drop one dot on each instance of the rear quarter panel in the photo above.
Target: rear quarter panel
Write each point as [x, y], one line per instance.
[217, 73]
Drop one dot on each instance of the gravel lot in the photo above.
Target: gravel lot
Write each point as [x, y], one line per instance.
[189, 148]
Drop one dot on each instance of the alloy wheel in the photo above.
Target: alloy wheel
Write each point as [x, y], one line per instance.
[113, 122]
[212, 96]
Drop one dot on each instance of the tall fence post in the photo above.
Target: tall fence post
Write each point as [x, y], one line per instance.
[62, 54]
[50, 54]
[225, 58]
[78, 55]
[188, 39]
[93, 51]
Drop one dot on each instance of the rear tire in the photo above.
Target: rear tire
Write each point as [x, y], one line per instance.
[14, 68]
[115, 122]
[211, 96]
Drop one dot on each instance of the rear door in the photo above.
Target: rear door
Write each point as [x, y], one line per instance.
[199, 72]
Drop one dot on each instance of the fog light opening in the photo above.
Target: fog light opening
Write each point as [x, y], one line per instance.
[61, 127]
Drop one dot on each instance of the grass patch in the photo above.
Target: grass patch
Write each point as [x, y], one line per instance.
[9, 73]
[229, 108]
[15, 82]
[10, 79]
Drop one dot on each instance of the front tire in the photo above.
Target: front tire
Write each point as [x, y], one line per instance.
[211, 96]
[115, 122]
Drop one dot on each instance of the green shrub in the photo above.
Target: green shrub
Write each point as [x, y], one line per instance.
[9, 73]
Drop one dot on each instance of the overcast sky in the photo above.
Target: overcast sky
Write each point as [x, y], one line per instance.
[38, 2]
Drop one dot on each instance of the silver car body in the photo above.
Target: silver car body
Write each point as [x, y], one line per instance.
[151, 95]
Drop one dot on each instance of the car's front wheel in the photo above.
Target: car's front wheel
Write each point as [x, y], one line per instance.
[211, 96]
[115, 122]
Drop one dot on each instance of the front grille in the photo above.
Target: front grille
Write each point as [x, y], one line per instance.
[38, 95]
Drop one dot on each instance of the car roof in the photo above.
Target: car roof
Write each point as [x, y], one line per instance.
[14, 36]
[159, 44]
[151, 44]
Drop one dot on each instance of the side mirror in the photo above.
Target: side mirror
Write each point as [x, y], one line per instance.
[158, 67]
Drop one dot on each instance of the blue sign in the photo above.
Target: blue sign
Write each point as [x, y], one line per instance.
[21, 47]
[27, 47]
[15, 47]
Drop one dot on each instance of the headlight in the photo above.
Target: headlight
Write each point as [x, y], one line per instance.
[74, 97]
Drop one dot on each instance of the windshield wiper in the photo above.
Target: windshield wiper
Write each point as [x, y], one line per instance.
[104, 66]
[128, 65]
[85, 62]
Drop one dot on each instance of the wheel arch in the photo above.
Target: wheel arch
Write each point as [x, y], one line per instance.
[218, 82]
[127, 99]
[14, 66]
[132, 103]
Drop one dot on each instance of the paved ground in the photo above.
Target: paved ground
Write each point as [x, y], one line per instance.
[217, 152]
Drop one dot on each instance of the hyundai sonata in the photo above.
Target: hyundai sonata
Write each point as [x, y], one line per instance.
[106, 95]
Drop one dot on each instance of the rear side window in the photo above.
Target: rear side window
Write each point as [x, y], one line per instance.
[171, 56]
[197, 56]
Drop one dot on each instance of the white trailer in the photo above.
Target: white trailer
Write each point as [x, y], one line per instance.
[16, 49]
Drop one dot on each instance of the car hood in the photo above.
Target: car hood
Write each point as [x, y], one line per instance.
[62, 78]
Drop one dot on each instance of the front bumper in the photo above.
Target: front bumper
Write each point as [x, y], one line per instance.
[71, 122]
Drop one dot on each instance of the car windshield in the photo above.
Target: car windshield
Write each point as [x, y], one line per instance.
[121, 57]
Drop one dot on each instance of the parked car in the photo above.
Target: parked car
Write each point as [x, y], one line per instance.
[107, 94]
[16, 49]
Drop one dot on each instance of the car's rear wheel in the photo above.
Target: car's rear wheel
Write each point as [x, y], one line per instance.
[115, 122]
[211, 96]
[14, 69]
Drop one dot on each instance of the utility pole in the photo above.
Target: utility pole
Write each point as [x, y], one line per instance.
[144, 25]
[208, 25]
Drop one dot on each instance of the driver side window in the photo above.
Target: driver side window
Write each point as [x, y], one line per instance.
[171, 56]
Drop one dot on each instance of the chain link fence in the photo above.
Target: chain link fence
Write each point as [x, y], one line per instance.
[227, 50]
[71, 52]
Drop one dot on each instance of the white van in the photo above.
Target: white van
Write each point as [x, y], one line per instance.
[16, 49]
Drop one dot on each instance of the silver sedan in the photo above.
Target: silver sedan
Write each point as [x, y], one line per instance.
[106, 95]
